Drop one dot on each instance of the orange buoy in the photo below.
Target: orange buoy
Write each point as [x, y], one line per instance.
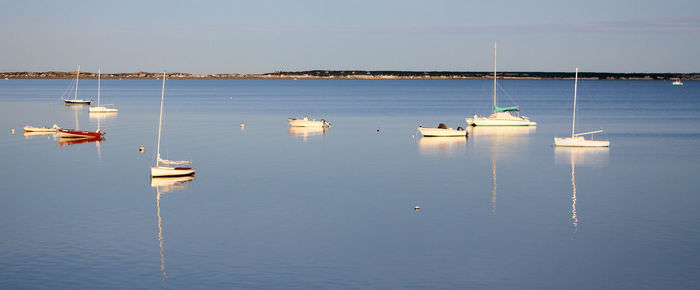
[142, 149]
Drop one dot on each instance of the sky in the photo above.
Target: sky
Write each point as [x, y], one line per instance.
[430, 35]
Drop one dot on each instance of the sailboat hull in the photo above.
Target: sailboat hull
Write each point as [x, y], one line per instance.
[579, 142]
[77, 102]
[168, 171]
[102, 109]
[500, 119]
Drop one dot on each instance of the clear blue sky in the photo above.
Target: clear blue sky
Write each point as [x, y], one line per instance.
[264, 36]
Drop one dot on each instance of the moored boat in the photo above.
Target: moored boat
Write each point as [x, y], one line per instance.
[75, 100]
[442, 131]
[500, 116]
[41, 129]
[71, 133]
[306, 122]
[576, 139]
[677, 82]
[166, 170]
[109, 108]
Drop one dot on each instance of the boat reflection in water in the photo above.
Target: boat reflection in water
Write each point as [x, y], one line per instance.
[583, 156]
[501, 142]
[73, 141]
[305, 132]
[442, 146]
[30, 135]
[164, 185]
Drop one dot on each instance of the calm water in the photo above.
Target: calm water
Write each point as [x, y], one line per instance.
[276, 208]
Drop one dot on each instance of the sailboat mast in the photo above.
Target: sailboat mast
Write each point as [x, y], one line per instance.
[494, 77]
[573, 122]
[76, 83]
[160, 120]
[99, 73]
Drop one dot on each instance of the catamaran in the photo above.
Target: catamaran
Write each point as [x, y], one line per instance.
[166, 170]
[576, 139]
[501, 116]
[101, 108]
[306, 122]
[75, 100]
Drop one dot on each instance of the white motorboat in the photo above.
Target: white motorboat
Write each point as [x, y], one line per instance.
[109, 108]
[41, 129]
[75, 100]
[306, 122]
[501, 116]
[442, 131]
[166, 170]
[576, 139]
[677, 82]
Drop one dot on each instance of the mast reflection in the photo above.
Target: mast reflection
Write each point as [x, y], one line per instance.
[501, 142]
[589, 157]
[164, 185]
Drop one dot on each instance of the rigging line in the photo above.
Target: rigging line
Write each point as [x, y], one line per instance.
[503, 90]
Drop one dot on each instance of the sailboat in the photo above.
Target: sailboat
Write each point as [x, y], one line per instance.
[576, 139]
[101, 108]
[166, 170]
[501, 116]
[75, 100]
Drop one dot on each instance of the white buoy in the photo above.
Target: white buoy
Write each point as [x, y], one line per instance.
[242, 125]
[13, 131]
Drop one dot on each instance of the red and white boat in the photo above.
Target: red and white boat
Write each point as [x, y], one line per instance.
[70, 133]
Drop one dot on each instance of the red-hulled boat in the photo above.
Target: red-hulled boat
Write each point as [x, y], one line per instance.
[73, 141]
[70, 133]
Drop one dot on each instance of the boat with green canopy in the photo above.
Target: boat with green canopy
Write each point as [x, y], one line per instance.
[501, 116]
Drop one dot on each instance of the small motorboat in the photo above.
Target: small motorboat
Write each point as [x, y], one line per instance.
[677, 82]
[442, 131]
[306, 122]
[41, 129]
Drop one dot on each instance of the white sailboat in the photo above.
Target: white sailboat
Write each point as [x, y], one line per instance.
[166, 170]
[501, 116]
[75, 100]
[101, 108]
[576, 139]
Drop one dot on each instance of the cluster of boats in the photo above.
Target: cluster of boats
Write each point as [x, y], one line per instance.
[500, 116]
[510, 116]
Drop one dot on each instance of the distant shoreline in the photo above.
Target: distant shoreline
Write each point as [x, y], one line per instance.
[365, 75]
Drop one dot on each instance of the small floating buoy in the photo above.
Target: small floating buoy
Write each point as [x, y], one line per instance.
[377, 130]
[416, 208]
[142, 149]
[242, 125]
[12, 131]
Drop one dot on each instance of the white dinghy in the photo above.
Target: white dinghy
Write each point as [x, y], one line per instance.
[306, 122]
